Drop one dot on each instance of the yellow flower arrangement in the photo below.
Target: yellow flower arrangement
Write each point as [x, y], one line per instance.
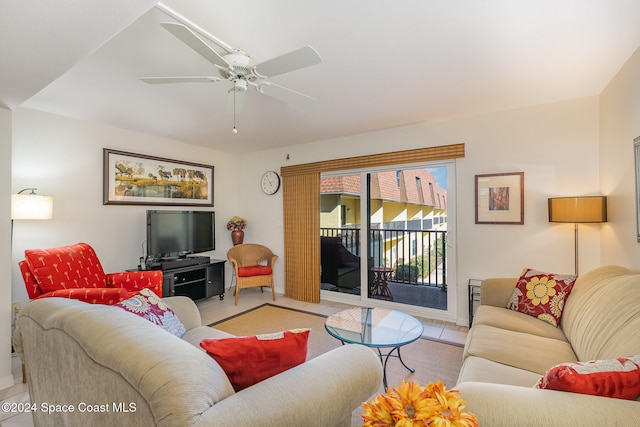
[410, 405]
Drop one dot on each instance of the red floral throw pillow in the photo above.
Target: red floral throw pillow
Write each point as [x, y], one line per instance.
[249, 360]
[617, 378]
[541, 295]
[148, 305]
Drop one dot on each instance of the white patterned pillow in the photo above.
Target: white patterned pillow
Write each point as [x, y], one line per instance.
[148, 305]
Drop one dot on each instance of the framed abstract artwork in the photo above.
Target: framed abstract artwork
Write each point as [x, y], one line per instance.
[500, 198]
[136, 179]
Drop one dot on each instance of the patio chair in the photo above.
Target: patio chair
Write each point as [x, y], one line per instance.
[340, 267]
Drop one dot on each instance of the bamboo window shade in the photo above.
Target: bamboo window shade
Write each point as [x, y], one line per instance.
[301, 205]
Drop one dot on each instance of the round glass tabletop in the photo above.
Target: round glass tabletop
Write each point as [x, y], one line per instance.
[374, 327]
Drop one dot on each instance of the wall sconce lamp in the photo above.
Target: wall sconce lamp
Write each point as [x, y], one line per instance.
[588, 209]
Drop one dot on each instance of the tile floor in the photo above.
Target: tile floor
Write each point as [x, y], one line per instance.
[212, 310]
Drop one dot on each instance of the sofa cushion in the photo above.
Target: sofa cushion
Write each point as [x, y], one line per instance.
[477, 369]
[251, 359]
[541, 295]
[517, 349]
[149, 306]
[617, 378]
[515, 321]
[254, 270]
[603, 313]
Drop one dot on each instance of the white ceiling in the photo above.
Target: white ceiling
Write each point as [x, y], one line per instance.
[385, 63]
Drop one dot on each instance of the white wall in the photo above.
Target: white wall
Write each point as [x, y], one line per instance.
[62, 157]
[556, 145]
[6, 378]
[620, 124]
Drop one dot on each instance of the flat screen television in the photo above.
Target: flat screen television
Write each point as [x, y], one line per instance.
[172, 234]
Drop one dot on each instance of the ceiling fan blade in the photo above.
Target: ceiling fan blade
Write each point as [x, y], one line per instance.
[235, 100]
[192, 40]
[291, 61]
[194, 79]
[284, 94]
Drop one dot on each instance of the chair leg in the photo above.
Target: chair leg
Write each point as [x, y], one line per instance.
[273, 291]
[24, 374]
[237, 292]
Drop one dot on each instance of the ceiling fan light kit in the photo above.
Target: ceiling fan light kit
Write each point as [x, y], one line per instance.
[240, 65]
[241, 70]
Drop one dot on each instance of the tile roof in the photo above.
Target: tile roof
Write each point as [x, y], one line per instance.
[409, 185]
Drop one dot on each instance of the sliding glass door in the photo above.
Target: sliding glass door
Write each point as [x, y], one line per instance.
[385, 236]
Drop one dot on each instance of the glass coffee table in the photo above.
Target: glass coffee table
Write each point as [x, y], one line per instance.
[378, 328]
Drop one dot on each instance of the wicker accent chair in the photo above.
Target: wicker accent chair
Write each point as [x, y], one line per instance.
[253, 265]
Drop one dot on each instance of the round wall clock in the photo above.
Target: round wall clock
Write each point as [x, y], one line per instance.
[270, 182]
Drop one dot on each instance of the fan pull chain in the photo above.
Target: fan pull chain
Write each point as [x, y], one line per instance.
[234, 130]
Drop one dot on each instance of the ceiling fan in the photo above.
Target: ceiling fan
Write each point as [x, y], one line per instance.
[241, 70]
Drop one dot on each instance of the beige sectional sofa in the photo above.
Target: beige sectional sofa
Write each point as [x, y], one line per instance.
[507, 352]
[116, 368]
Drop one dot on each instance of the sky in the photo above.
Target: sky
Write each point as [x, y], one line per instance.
[440, 173]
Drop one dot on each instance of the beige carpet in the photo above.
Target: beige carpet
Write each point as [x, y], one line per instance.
[432, 360]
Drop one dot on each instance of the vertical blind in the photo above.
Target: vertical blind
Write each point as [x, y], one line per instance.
[301, 203]
[301, 206]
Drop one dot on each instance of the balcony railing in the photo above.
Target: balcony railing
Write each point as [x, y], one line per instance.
[418, 257]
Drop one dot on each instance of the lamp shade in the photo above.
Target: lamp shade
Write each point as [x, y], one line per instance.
[31, 206]
[578, 209]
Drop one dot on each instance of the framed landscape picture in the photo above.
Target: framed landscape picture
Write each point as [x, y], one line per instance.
[500, 198]
[136, 179]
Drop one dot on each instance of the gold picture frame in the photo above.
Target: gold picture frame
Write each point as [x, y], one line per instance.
[500, 198]
[137, 179]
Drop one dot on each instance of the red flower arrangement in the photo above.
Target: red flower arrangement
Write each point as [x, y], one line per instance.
[236, 223]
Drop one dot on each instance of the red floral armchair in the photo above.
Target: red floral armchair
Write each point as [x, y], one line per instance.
[75, 272]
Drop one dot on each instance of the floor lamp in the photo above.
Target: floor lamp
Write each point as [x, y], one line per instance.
[576, 210]
[29, 206]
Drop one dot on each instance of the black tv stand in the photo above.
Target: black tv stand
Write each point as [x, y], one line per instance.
[202, 279]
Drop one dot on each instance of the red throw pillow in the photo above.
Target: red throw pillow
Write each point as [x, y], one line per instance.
[249, 360]
[541, 295]
[618, 378]
[254, 270]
